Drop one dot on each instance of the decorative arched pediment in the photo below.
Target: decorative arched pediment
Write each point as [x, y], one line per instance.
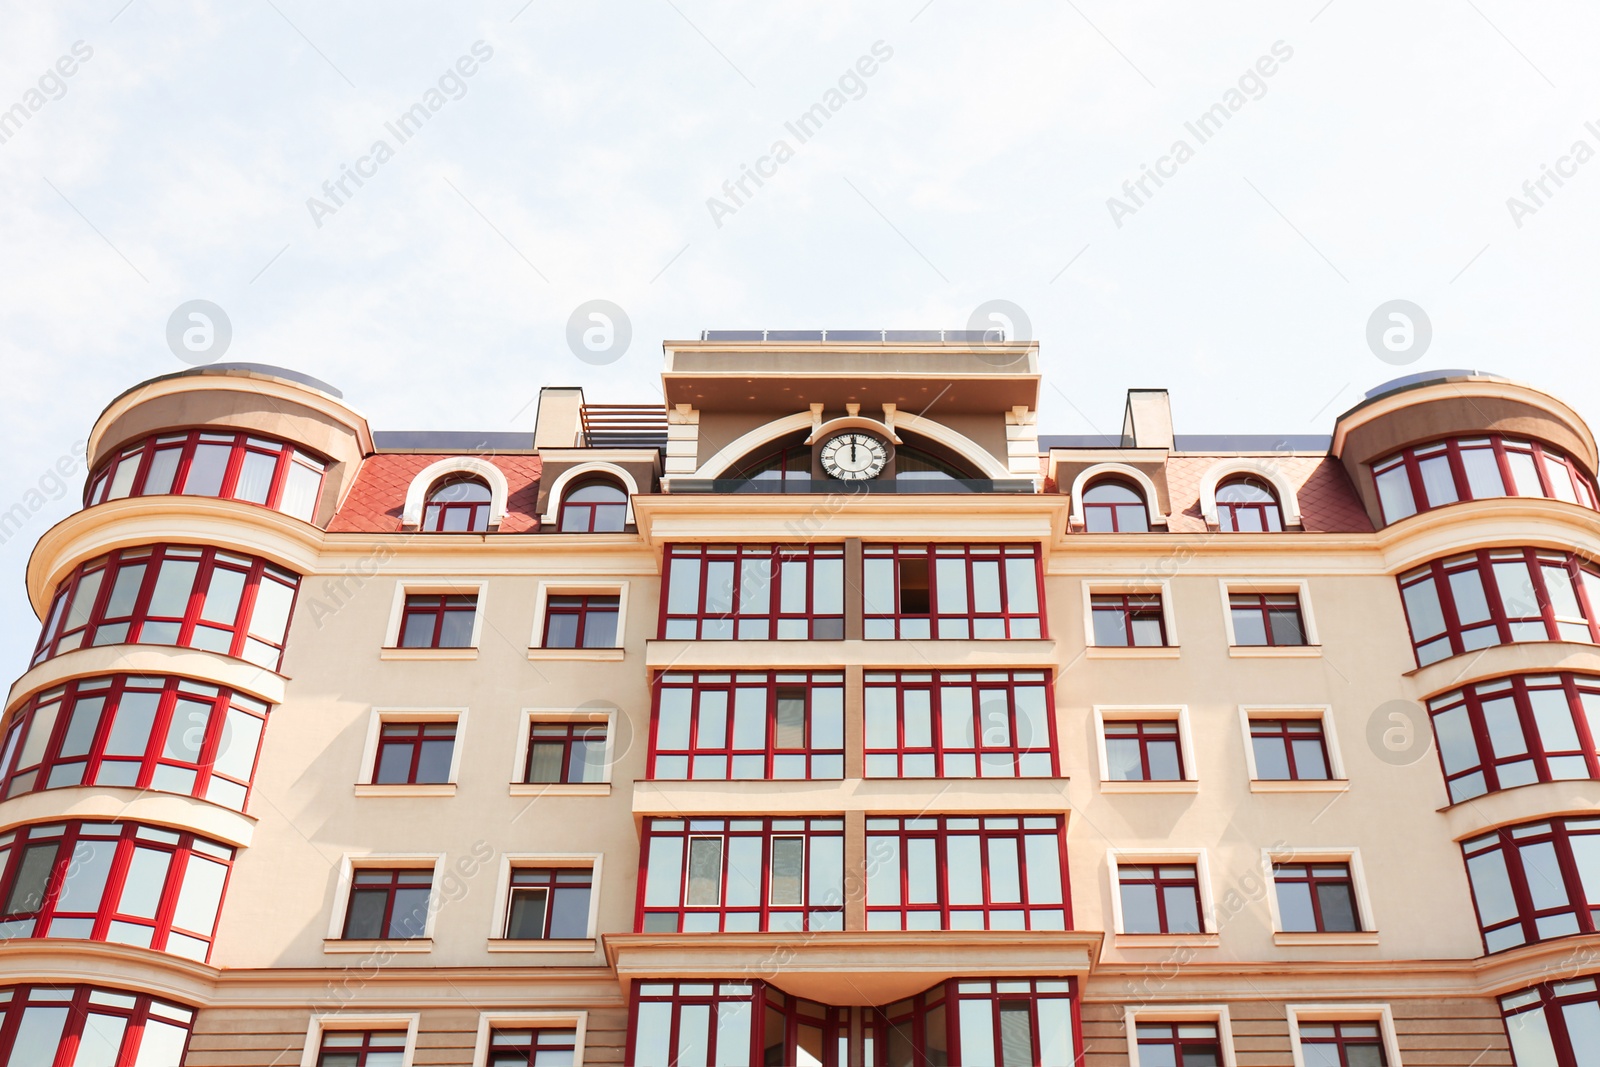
[558, 488]
[1116, 470]
[853, 422]
[1259, 467]
[417, 493]
[958, 443]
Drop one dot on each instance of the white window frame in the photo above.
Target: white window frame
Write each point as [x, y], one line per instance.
[1264, 467]
[1116, 858]
[1300, 587]
[322, 1024]
[349, 863]
[1114, 470]
[1199, 1013]
[1169, 619]
[541, 603]
[1337, 782]
[1351, 857]
[366, 787]
[1343, 1013]
[417, 492]
[498, 942]
[489, 1021]
[558, 491]
[1103, 713]
[608, 715]
[448, 586]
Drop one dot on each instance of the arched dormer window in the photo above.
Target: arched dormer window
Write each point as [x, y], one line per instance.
[1247, 504]
[595, 505]
[457, 503]
[1112, 505]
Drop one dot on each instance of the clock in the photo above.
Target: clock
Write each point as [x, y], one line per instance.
[854, 457]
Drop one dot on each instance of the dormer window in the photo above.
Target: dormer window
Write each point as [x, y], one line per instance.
[457, 503]
[598, 505]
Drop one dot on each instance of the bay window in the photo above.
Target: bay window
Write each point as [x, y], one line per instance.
[170, 735]
[958, 592]
[233, 466]
[993, 1023]
[183, 595]
[1499, 596]
[1555, 1024]
[959, 724]
[87, 1026]
[1476, 468]
[1535, 881]
[750, 725]
[112, 881]
[753, 593]
[966, 873]
[706, 875]
[1515, 731]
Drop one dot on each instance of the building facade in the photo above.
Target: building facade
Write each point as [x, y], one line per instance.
[828, 714]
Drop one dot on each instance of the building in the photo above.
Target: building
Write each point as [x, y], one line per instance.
[829, 713]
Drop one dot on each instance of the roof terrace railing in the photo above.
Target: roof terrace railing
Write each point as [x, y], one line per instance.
[994, 335]
[624, 425]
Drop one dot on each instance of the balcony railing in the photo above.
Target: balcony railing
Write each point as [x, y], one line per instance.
[624, 425]
[911, 486]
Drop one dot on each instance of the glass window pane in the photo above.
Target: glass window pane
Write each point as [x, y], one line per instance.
[269, 616]
[174, 583]
[200, 897]
[1466, 587]
[1005, 877]
[1524, 474]
[664, 872]
[1543, 872]
[33, 876]
[162, 1045]
[950, 578]
[1437, 480]
[683, 585]
[147, 878]
[299, 497]
[86, 876]
[976, 1022]
[255, 477]
[38, 1036]
[206, 468]
[1483, 473]
[705, 871]
[1394, 492]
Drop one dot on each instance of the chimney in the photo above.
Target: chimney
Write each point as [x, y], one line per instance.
[1147, 420]
[558, 422]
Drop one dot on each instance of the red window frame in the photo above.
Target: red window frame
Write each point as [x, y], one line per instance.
[1404, 470]
[953, 591]
[89, 608]
[1316, 876]
[1432, 590]
[1117, 619]
[443, 607]
[390, 882]
[1270, 609]
[590, 610]
[1340, 1038]
[930, 1025]
[574, 740]
[911, 861]
[529, 1042]
[788, 466]
[136, 1015]
[410, 741]
[360, 1043]
[1146, 735]
[1540, 1011]
[667, 873]
[1293, 738]
[1498, 860]
[1516, 730]
[721, 726]
[161, 464]
[1180, 1040]
[72, 847]
[202, 740]
[753, 592]
[708, 1002]
[960, 724]
[593, 516]
[560, 886]
[1115, 516]
[469, 515]
[1162, 880]
[1266, 515]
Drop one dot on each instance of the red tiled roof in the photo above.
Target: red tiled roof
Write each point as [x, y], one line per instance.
[1328, 502]
[375, 502]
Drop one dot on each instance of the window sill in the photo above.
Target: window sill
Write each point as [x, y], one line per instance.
[1132, 651]
[1274, 651]
[573, 945]
[612, 655]
[1299, 785]
[1354, 937]
[559, 789]
[1186, 785]
[395, 944]
[406, 789]
[1165, 940]
[427, 653]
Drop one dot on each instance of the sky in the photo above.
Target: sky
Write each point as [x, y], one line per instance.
[1317, 161]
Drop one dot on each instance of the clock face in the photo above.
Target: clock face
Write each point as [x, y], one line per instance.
[854, 457]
